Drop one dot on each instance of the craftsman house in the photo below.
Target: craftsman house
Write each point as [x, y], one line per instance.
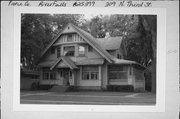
[75, 58]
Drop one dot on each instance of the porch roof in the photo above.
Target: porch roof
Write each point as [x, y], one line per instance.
[88, 61]
[46, 63]
[67, 61]
[122, 61]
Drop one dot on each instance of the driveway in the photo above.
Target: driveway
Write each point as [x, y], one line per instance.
[85, 97]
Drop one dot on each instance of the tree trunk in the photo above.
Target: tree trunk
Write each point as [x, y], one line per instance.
[153, 75]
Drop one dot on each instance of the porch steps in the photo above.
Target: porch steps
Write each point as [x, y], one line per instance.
[59, 88]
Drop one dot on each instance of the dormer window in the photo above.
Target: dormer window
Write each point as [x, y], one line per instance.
[69, 38]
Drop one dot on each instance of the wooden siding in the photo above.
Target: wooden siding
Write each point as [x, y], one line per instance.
[75, 39]
[139, 80]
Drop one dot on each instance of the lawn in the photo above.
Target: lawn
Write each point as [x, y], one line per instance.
[85, 97]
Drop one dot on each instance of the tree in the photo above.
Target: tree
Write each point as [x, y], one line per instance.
[37, 31]
[149, 23]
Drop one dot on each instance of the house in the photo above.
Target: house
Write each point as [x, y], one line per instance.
[75, 58]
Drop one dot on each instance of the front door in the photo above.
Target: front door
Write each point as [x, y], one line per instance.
[66, 77]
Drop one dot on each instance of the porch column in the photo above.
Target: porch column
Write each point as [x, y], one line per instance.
[80, 73]
[41, 75]
[130, 75]
[100, 77]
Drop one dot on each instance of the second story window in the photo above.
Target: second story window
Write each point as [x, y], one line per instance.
[69, 51]
[81, 50]
[69, 38]
[58, 52]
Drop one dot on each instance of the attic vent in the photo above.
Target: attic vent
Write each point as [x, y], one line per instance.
[68, 27]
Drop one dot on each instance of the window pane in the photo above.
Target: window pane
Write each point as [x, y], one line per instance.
[52, 75]
[94, 75]
[45, 76]
[85, 76]
[81, 50]
[118, 75]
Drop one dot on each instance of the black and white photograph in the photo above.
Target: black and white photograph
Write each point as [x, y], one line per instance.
[88, 59]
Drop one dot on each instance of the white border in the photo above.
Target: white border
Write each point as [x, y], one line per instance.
[161, 60]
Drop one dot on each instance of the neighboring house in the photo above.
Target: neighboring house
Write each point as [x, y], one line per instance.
[29, 79]
[78, 59]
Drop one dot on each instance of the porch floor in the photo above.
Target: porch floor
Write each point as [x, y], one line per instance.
[87, 97]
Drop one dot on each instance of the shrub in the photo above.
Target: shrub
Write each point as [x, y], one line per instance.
[120, 88]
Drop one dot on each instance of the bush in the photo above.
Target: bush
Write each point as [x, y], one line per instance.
[120, 88]
[45, 87]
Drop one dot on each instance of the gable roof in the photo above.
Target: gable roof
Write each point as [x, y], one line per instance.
[67, 61]
[87, 37]
[111, 43]
[94, 43]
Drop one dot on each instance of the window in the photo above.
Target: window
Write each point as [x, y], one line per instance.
[52, 50]
[69, 51]
[118, 72]
[45, 75]
[86, 76]
[52, 75]
[49, 75]
[69, 38]
[81, 50]
[117, 75]
[90, 49]
[94, 75]
[90, 73]
[58, 52]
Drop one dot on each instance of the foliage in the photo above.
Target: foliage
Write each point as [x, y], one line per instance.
[37, 30]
